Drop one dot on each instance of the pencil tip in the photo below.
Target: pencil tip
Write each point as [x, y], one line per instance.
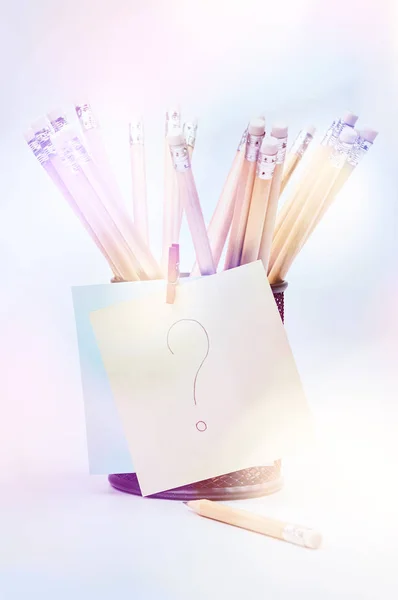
[185, 502]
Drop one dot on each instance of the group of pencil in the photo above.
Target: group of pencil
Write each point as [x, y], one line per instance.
[245, 226]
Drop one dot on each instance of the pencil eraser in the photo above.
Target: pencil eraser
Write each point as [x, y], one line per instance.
[350, 119]
[312, 539]
[269, 146]
[40, 124]
[348, 135]
[29, 134]
[368, 134]
[176, 138]
[279, 130]
[257, 127]
[310, 129]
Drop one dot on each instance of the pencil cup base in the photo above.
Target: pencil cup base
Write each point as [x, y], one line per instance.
[248, 483]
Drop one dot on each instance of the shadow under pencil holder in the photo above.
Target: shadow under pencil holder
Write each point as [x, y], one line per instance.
[247, 483]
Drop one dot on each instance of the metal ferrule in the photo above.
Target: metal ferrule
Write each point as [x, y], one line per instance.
[190, 130]
[173, 121]
[340, 154]
[79, 151]
[294, 534]
[136, 132]
[282, 145]
[301, 143]
[360, 148]
[243, 139]
[330, 132]
[180, 157]
[265, 166]
[59, 123]
[37, 150]
[253, 147]
[43, 137]
[86, 117]
[334, 132]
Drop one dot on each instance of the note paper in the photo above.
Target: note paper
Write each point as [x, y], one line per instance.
[205, 386]
[108, 451]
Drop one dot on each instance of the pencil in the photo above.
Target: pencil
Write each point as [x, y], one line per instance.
[75, 179]
[138, 176]
[116, 213]
[259, 201]
[96, 147]
[191, 204]
[221, 220]
[244, 193]
[63, 161]
[281, 530]
[279, 132]
[190, 130]
[318, 158]
[296, 153]
[360, 148]
[45, 162]
[170, 197]
[297, 235]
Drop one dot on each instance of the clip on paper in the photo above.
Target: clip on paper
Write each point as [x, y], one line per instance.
[173, 274]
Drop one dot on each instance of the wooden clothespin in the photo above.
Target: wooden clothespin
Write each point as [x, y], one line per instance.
[173, 273]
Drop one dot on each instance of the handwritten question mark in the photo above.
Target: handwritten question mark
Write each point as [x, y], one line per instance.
[200, 425]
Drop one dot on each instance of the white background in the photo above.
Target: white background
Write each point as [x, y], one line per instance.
[64, 535]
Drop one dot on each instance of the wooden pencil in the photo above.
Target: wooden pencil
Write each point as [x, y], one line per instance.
[138, 178]
[76, 181]
[96, 147]
[191, 204]
[259, 201]
[279, 132]
[360, 149]
[244, 193]
[296, 153]
[170, 198]
[314, 167]
[298, 233]
[282, 530]
[190, 132]
[221, 220]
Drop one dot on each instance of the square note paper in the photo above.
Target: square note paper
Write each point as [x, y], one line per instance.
[205, 386]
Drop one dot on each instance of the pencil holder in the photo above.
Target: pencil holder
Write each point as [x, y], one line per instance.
[247, 483]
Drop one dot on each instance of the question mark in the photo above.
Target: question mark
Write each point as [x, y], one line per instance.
[200, 425]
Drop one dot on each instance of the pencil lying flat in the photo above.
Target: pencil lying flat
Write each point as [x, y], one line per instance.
[282, 530]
